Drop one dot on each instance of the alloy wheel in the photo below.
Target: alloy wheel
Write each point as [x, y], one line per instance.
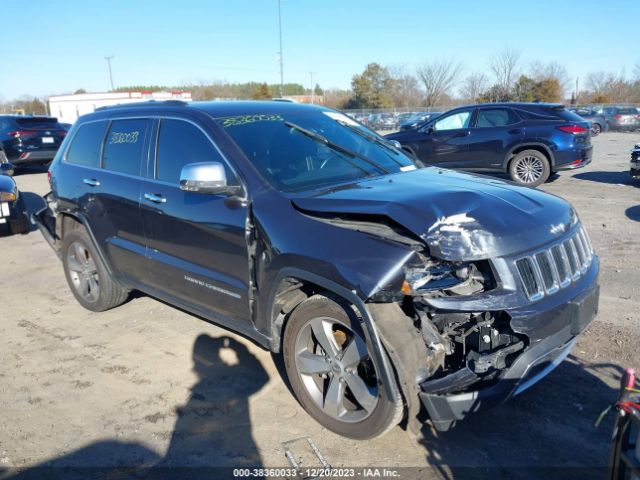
[83, 272]
[529, 169]
[336, 370]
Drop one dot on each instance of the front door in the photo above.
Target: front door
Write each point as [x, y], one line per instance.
[196, 245]
[444, 142]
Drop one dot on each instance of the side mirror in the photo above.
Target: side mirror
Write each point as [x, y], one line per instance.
[395, 143]
[7, 168]
[207, 177]
[427, 129]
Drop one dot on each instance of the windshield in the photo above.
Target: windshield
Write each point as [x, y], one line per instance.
[305, 150]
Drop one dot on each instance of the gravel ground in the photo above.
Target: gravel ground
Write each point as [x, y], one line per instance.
[147, 384]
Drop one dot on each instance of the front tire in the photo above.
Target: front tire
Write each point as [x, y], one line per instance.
[87, 276]
[529, 168]
[332, 373]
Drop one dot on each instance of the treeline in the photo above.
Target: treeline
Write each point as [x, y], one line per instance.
[506, 77]
[214, 90]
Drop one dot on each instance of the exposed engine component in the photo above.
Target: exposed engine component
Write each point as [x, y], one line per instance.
[476, 346]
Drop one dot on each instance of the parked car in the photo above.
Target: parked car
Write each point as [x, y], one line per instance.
[383, 121]
[13, 217]
[29, 139]
[417, 119]
[621, 118]
[383, 284]
[635, 162]
[598, 121]
[529, 141]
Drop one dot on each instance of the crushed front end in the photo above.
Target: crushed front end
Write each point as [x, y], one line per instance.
[494, 327]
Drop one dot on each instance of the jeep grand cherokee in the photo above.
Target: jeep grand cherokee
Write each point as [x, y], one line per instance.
[385, 286]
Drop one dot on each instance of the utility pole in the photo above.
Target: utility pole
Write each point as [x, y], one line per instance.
[108, 59]
[577, 89]
[312, 89]
[280, 55]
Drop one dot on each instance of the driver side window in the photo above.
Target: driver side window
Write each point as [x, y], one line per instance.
[453, 122]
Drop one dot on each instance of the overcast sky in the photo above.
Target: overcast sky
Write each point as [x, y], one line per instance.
[59, 46]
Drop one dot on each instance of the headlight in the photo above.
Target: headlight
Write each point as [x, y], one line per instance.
[447, 278]
[7, 197]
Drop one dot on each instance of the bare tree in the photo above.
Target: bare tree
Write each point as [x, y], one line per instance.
[473, 86]
[504, 65]
[598, 81]
[406, 90]
[438, 77]
[636, 71]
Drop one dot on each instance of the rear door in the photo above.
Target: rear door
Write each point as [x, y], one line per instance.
[197, 249]
[496, 131]
[113, 194]
[444, 142]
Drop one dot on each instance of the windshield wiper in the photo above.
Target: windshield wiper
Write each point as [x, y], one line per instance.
[374, 139]
[338, 148]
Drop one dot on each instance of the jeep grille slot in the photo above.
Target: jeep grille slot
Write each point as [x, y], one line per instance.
[525, 267]
[547, 271]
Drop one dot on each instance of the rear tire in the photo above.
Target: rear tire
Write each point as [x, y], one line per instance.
[596, 129]
[87, 276]
[529, 168]
[331, 371]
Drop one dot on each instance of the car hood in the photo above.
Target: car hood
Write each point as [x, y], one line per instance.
[7, 184]
[460, 217]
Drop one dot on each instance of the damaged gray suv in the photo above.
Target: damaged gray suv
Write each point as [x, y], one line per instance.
[387, 287]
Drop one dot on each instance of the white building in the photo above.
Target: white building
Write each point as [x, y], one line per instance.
[69, 107]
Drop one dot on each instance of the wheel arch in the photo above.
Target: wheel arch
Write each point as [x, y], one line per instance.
[72, 221]
[540, 147]
[289, 277]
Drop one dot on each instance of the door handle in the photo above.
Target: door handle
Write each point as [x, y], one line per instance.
[515, 131]
[92, 182]
[152, 197]
[463, 134]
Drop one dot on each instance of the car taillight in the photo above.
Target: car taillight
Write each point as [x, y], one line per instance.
[572, 129]
[49, 176]
[61, 133]
[7, 196]
[617, 116]
[21, 133]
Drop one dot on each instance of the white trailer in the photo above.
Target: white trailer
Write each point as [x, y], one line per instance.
[67, 108]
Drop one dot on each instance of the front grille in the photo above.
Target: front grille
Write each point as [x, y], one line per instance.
[545, 272]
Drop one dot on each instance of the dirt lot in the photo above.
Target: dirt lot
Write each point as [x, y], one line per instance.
[146, 384]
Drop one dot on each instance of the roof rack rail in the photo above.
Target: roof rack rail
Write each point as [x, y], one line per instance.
[148, 103]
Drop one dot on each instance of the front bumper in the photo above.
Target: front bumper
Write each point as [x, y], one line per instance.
[563, 321]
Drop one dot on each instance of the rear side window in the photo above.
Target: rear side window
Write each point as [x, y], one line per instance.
[496, 117]
[180, 143]
[124, 145]
[568, 116]
[86, 144]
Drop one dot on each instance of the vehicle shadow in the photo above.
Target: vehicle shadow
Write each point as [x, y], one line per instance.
[546, 432]
[612, 178]
[633, 213]
[212, 434]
